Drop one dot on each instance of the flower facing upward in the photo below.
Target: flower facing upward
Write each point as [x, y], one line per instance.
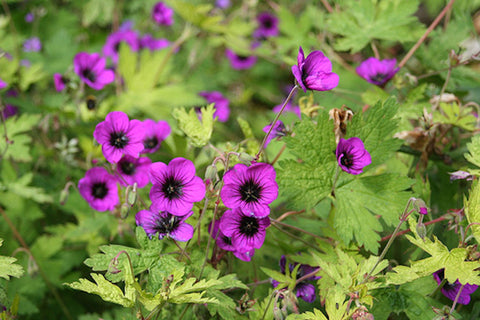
[165, 224]
[133, 170]
[267, 25]
[450, 290]
[240, 62]
[278, 131]
[250, 188]
[222, 111]
[59, 81]
[162, 15]
[155, 133]
[314, 72]
[352, 156]
[175, 186]
[112, 45]
[91, 70]
[246, 232]
[99, 188]
[119, 136]
[377, 71]
[225, 243]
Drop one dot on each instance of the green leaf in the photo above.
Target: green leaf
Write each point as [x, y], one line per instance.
[98, 12]
[252, 143]
[8, 268]
[474, 151]
[315, 315]
[472, 210]
[18, 145]
[280, 277]
[198, 131]
[21, 187]
[451, 113]
[30, 75]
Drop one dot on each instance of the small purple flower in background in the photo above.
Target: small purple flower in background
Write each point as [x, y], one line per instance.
[267, 25]
[250, 188]
[460, 175]
[155, 133]
[32, 45]
[59, 81]
[225, 243]
[289, 107]
[126, 25]
[352, 156]
[29, 17]
[91, 70]
[99, 188]
[304, 289]
[278, 131]
[165, 224]
[450, 290]
[25, 63]
[152, 44]
[3, 84]
[222, 110]
[119, 136]
[162, 15]
[9, 111]
[247, 232]
[112, 45]
[314, 72]
[240, 62]
[175, 186]
[133, 170]
[377, 71]
[222, 4]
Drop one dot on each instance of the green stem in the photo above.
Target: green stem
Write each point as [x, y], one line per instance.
[335, 179]
[291, 235]
[268, 304]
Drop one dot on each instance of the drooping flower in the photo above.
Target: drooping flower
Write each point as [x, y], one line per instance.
[222, 110]
[3, 84]
[304, 289]
[91, 70]
[377, 71]
[246, 232]
[450, 290]
[152, 44]
[460, 175]
[133, 170]
[112, 45]
[162, 15]
[352, 156]
[314, 72]
[240, 62]
[175, 186]
[119, 136]
[250, 188]
[278, 131]
[99, 188]
[225, 243]
[155, 133]
[165, 224]
[289, 107]
[32, 45]
[267, 25]
[59, 81]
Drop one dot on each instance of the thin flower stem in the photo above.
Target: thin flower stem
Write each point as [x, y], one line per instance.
[442, 218]
[291, 235]
[308, 275]
[297, 229]
[327, 6]
[181, 250]
[444, 87]
[456, 299]
[289, 213]
[274, 293]
[375, 50]
[290, 95]
[278, 154]
[335, 178]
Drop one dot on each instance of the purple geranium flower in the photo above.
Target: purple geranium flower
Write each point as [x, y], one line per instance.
[133, 170]
[278, 131]
[240, 62]
[304, 289]
[225, 243]
[289, 107]
[250, 188]
[155, 133]
[59, 81]
[314, 72]
[32, 45]
[91, 69]
[99, 188]
[175, 186]
[222, 4]
[377, 71]
[165, 224]
[152, 44]
[3, 84]
[112, 45]
[460, 175]
[9, 111]
[119, 136]
[222, 110]
[267, 25]
[29, 17]
[162, 14]
[247, 232]
[352, 156]
[450, 290]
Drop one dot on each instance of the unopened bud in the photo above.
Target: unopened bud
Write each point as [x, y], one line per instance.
[132, 195]
[63, 196]
[245, 158]
[211, 172]
[420, 206]
[124, 211]
[421, 230]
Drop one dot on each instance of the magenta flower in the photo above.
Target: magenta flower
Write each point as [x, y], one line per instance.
[91, 70]
[133, 170]
[222, 110]
[222, 4]
[162, 15]
[450, 290]
[32, 45]
[29, 17]
[59, 81]
[155, 133]
[225, 243]
[112, 45]
[99, 188]
[165, 224]
[3, 84]
[240, 62]
[352, 156]
[9, 111]
[152, 44]
[267, 25]
[247, 232]
[278, 131]
[119, 136]
[377, 71]
[289, 107]
[314, 72]
[175, 186]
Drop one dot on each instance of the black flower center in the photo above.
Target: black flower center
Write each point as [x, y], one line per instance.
[88, 74]
[267, 23]
[150, 143]
[347, 160]
[250, 191]
[379, 78]
[249, 226]
[127, 167]
[167, 224]
[118, 139]
[172, 188]
[99, 190]
[91, 103]
[242, 58]
[116, 47]
[227, 240]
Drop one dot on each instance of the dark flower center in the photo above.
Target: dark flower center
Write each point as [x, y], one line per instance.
[250, 191]
[379, 78]
[347, 160]
[242, 58]
[167, 224]
[447, 286]
[227, 240]
[249, 226]
[99, 190]
[118, 139]
[116, 47]
[127, 167]
[150, 143]
[91, 103]
[172, 188]
[267, 23]
[88, 74]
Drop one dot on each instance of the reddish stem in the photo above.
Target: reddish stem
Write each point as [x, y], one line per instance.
[407, 231]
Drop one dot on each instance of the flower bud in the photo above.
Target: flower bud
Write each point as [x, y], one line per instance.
[421, 230]
[420, 206]
[63, 196]
[211, 172]
[132, 195]
[124, 211]
[245, 158]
